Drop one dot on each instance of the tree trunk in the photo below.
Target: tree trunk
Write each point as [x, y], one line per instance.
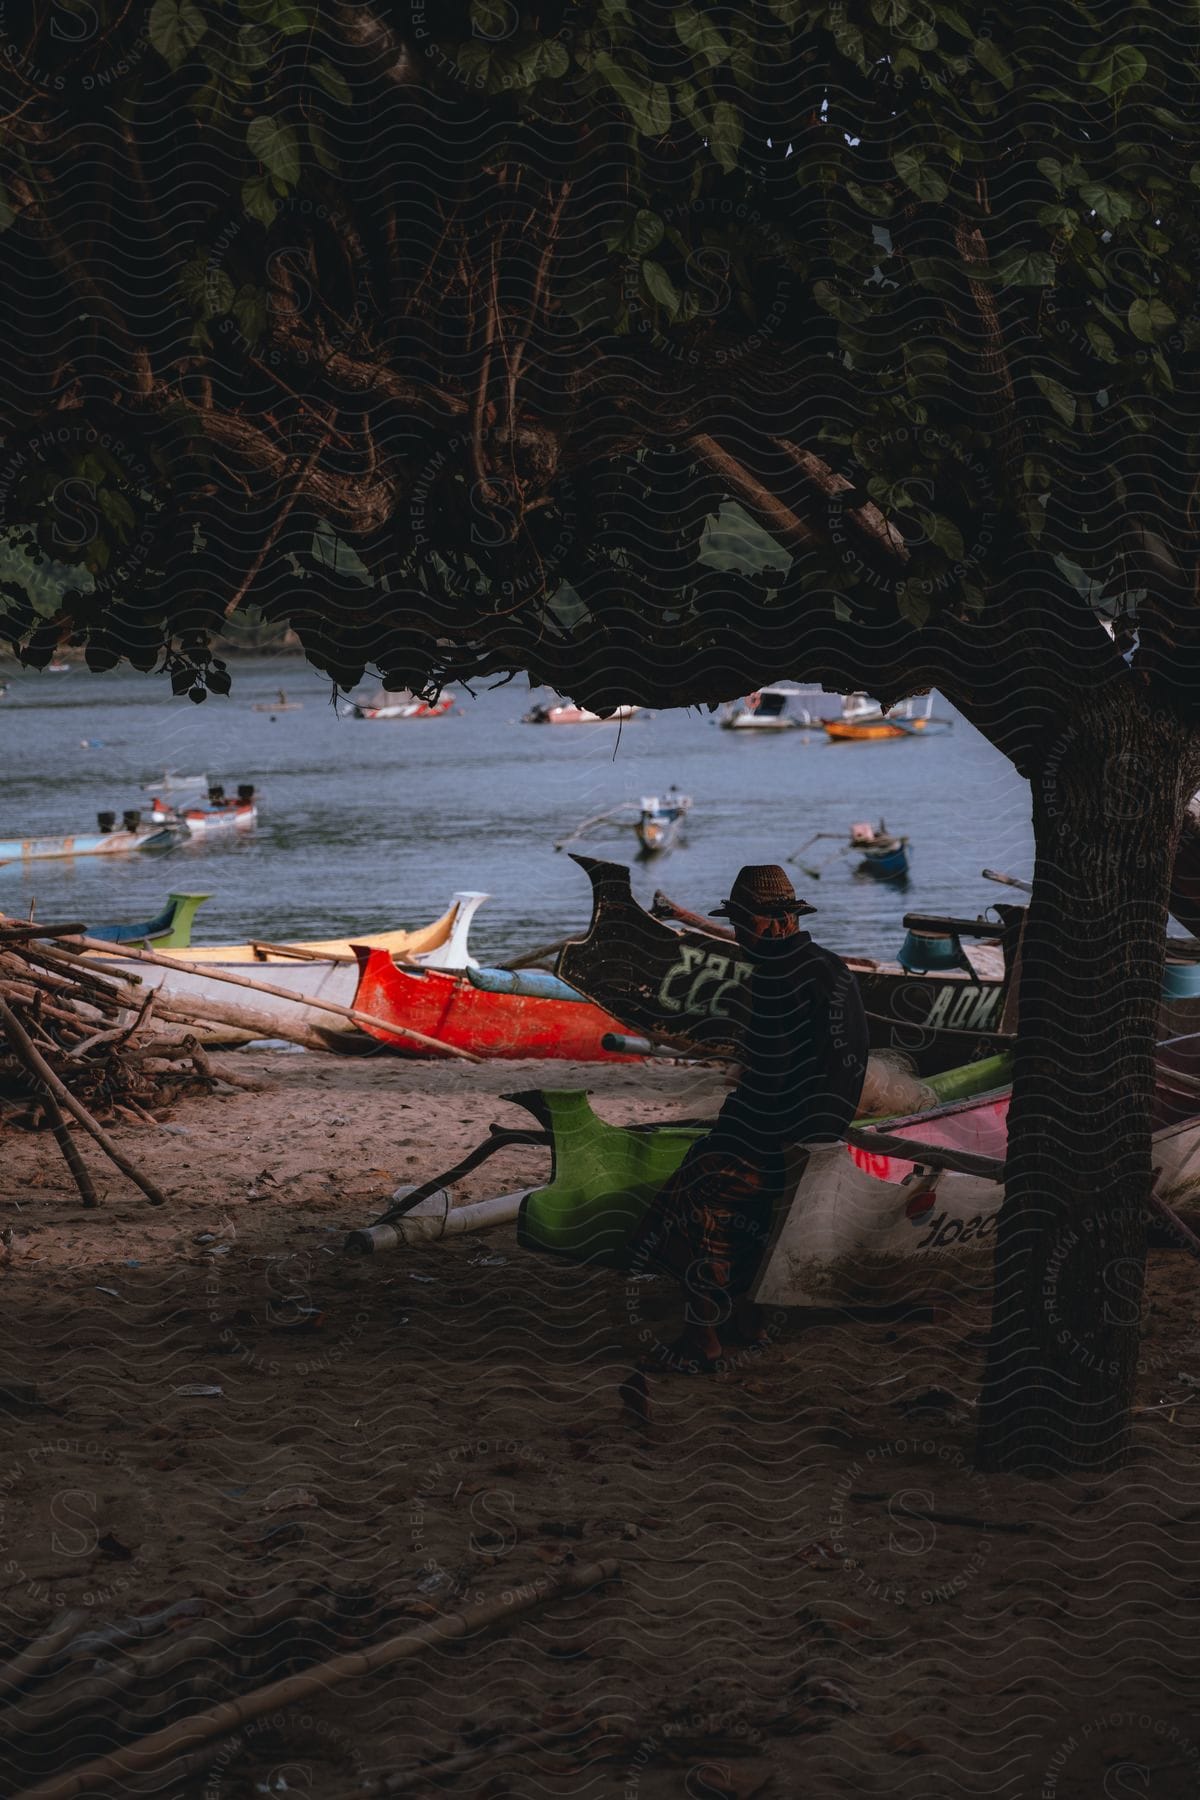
[1108, 801]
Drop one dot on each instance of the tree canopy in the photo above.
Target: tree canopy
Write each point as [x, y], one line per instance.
[467, 338]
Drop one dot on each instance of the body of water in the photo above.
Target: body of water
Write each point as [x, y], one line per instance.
[366, 826]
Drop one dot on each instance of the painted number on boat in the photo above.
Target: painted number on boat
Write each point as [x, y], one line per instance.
[973, 1010]
[683, 986]
[941, 1231]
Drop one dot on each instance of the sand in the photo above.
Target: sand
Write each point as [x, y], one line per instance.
[410, 1433]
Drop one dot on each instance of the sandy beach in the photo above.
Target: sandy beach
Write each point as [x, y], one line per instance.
[813, 1596]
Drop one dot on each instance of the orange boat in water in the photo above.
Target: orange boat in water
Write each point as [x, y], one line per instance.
[864, 722]
[494, 1012]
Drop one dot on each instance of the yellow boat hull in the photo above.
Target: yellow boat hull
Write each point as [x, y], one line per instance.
[397, 943]
[845, 729]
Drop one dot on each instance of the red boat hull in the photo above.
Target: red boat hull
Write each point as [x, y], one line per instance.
[447, 1006]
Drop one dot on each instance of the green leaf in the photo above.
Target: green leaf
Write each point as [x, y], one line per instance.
[321, 149]
[700, 36]
[175, 28]
[290, 16]
[205, 286]
[915, 171]
[1113, 71]
[1110, 206]
[990, 57]
[643, 234]
[889, 13]
[249, 308]
[944, 533]
[647, 103]
[1052, 169]
[875, 201]
[332, 80]
[258, 199]
[1033, 268]
[1148, 318]
[725, 134]
[1060, 398]
[491, 19]
[913, 604]
[1100, 341]
[661, 286]
[275, 145]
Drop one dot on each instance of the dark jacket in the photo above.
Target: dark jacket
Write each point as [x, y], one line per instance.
[804, 1053]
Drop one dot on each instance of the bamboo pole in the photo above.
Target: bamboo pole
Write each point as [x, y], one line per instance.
[185, 1735]
[37, 1064]
[40, 1653]
[210, 1073]
[70, 1149]
[278, 993]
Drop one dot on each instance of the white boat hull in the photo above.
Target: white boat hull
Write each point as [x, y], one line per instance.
[847, 1237]
[334, 981]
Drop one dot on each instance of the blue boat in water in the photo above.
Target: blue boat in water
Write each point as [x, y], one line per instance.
[108, 841]
[884, 855]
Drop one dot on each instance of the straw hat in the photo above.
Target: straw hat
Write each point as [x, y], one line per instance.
[762, 888]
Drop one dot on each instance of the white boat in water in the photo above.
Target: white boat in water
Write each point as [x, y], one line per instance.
[400, 703]
[324, 970]
[563, 712]
[784, 706]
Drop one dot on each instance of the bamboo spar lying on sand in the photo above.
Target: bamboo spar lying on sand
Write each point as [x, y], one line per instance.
[155, 1751]
[123, 953]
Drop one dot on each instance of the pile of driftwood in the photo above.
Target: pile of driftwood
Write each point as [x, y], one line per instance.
[79, 1048]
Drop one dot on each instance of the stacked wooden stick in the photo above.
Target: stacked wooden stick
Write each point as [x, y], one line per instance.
[77, 1049]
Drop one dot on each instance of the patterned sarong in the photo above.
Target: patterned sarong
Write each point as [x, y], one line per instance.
[709, 1226]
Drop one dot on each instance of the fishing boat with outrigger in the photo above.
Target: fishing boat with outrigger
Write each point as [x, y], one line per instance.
[222, 814]
[563, 712]
[108, 841]
[657, 823]
[399, 703]
[882, 855]
[945, 998]
[863, 722]
[784, 706]
[321, 968]
[505, 1013]
[901, 1213]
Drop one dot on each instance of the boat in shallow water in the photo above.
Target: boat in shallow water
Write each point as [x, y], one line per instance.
[881, 853]
[563, 712]
[108, 841]
[399, 703]
[659, 824]
[863, 722]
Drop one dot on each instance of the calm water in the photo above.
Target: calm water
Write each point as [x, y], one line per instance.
[367, 826]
